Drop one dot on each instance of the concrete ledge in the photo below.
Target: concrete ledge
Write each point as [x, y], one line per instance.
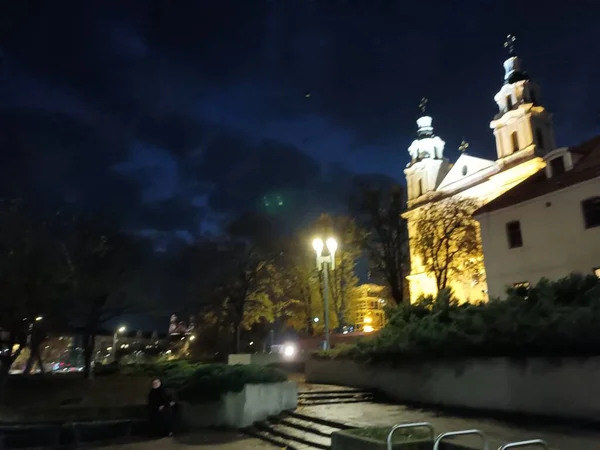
[554, 388]
[259, 359]
[254, 403]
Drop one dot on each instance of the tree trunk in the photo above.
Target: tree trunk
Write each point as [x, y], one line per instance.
[3, 380]
[238, 336]
[34, 357]
[88, 353]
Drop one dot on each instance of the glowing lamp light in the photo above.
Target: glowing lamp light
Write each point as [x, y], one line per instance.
[289, 351]
[368, 329]
[122, 329]
[192, 337]
[316, 320]
[318, 246]
[368, 320]
[39, 318]
[332, 245]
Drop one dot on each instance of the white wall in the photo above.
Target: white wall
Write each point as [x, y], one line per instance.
[241, 409]
[561, 387]
[555, 241]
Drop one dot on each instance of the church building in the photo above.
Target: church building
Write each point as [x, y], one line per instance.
[524, 135]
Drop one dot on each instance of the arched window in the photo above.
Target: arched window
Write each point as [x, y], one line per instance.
[591, 212]
[515, 141]
[509, 103]
[420, 188]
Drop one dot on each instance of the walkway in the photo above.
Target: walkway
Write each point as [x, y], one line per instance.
[498, 432]
[208, 440]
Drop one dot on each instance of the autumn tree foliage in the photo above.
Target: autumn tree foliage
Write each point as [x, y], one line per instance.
[446, 239]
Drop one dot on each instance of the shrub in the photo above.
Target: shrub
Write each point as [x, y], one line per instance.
[197, 383]
[559, 318]
[209, 382]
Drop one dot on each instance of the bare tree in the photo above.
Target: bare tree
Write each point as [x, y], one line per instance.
[380, 213]
[101, 262]
[446, 239]
[30, 273]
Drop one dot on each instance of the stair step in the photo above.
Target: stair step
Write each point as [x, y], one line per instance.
[311, 428]
[345, 391]
[327, 397]
[332, 402]
[291, 434]
[265, 436]
[318, 420]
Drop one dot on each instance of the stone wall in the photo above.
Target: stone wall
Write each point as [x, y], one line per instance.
[238, 410]
[562, 387]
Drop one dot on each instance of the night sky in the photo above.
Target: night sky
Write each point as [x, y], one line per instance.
[170, 114]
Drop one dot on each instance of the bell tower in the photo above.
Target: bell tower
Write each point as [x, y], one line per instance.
[427, 166]
[523, 128]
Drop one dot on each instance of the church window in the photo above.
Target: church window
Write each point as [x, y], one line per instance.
[591, 212]
[509, 103]
[557, 166]
[515, 141]
[465, 170]
[539, 136]
[513, 233]
[420, 192]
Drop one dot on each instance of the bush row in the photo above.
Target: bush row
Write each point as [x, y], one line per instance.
[559, 318]
[197, 383]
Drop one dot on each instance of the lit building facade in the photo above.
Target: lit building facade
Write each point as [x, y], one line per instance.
[524, 134]
[369, 308]
[549, 225]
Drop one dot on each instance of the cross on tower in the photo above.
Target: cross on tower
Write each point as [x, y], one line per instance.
[423, 104]
[510, 44]
[464, 145]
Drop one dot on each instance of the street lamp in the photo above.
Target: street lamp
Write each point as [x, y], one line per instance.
[121, 329]
[324, 262]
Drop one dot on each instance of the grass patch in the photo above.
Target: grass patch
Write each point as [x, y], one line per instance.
[401, 435]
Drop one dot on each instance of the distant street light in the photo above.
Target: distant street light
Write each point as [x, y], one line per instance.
[192, 337]
[121, 329]
[324, 262]
[316, 320]
[39, 318]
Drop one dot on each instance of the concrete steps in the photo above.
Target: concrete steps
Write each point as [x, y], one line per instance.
[311, 398]
[296, 431]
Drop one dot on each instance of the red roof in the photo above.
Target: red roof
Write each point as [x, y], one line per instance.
[586, 168]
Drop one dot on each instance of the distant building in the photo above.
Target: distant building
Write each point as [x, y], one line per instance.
[549, 225]
[369, 308]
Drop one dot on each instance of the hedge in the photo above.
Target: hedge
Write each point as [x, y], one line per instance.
[197, 383]
[552, 319]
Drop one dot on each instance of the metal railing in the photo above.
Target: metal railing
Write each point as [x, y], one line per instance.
[537, 442]
[408, 425]
[480, 433]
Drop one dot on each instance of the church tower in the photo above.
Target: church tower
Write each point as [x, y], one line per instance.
[523, 128]
[427, 166]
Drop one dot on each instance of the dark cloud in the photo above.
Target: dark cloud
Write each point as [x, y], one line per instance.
[139, 109]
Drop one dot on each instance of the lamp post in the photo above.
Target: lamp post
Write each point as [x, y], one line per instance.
[324, 262]
[121, 329]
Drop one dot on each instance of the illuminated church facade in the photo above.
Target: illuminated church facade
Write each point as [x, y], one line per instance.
[524, 134]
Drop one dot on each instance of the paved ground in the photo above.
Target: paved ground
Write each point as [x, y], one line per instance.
[209, 440]
[498, 432]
